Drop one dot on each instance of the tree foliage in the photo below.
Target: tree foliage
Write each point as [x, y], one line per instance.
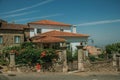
[69, 56]
[112, 48]
[75, 55]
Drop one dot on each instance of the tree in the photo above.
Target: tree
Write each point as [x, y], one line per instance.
[112, 48]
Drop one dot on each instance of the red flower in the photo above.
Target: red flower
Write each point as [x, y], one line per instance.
[43, 54]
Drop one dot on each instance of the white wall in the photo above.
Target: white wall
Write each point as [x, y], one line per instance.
[73, 45]
[73, 40]
[47, 28]
[32, 33]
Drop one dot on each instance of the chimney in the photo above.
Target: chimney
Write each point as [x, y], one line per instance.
[74, 28]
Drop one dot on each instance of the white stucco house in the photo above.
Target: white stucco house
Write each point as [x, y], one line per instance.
[47, 31]
[43, 26]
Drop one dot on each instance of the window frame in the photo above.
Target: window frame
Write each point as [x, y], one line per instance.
[17, 39]
[39, 31]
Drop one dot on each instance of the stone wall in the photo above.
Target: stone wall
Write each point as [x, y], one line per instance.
[73, 66]
[8, 37]
[27, 32]
[101, 66]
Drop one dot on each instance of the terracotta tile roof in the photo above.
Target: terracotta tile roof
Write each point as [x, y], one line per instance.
[48, 39]
[62, 34]
[49, 22]
[13, 26]
[93, 50]
[52, 36]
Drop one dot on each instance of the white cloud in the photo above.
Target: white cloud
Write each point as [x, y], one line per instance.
[20, 14]
[25, 19]
[99, 22]
[26, 8]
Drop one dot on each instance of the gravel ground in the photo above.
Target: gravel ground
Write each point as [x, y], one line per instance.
[62, 76]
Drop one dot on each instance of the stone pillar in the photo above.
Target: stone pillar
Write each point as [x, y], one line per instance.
[114, 60]
[85, 53]
[64, 59]
[12, 59]
[80, 58]
[118, 61]
[59, 52]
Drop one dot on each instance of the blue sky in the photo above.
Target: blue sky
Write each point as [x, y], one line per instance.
[98, 18]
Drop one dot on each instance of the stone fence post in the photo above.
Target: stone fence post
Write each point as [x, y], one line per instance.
[118, 62]
[12, 59]
[80, 58]
[114, 60]
[64, 59]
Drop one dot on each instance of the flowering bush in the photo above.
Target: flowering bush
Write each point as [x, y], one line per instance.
[27, 53]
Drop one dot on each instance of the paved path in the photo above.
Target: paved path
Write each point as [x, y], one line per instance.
[60, 76]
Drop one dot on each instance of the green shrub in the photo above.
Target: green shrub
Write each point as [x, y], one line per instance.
[92, 58]
[3, 61]
[69, 56]
[102, 56]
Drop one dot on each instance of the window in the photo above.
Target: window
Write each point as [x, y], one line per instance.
[62, 30]
[17, 39]
[1, 39]
[39, 30]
